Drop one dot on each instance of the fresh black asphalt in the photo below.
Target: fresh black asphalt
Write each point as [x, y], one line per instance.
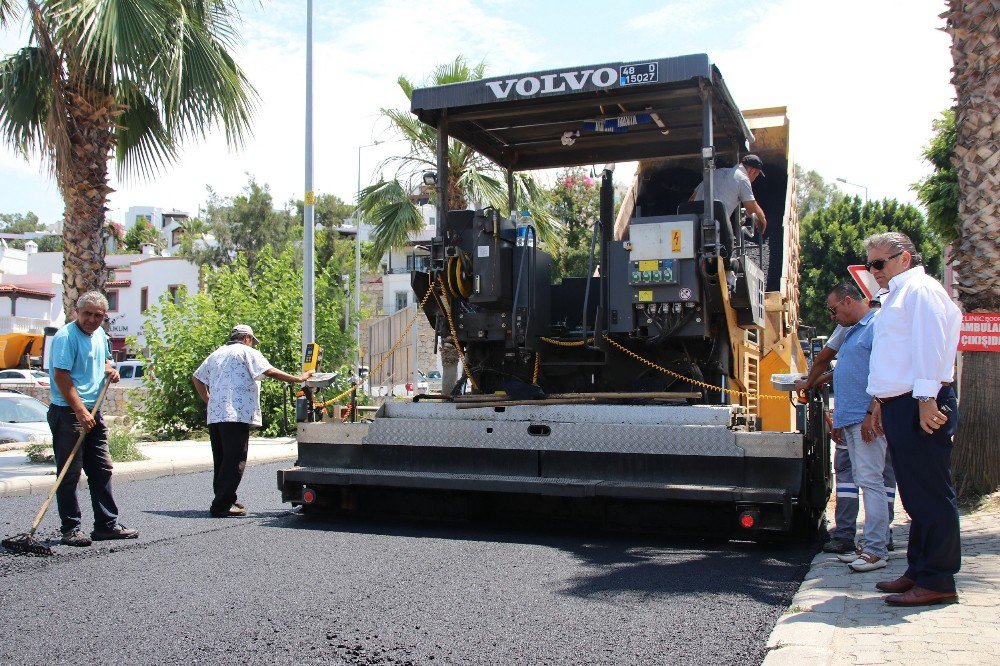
[281, 588]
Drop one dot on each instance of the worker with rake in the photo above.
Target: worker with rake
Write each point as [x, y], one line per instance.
[79, 366]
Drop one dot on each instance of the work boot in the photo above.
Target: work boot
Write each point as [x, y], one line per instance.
[839, 546]
[116, 532]
[76, 538]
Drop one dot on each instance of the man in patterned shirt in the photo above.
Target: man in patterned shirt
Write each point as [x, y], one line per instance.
[229, 383]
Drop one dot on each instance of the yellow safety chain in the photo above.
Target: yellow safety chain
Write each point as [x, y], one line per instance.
[693, 382]
[534, 378]
[454, 333]
[563, 343]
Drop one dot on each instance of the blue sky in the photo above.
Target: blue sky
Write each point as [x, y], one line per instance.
[862, 80]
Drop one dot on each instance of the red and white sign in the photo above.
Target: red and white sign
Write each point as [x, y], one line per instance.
[980, 332]
[865, 280]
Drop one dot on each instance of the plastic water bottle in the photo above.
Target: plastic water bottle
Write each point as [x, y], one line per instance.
[523, 223]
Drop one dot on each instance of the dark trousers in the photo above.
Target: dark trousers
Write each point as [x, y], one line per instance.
[229, 453]
[923, 475]
[93, 458]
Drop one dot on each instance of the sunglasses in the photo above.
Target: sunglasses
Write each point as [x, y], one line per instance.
[879, 264]
[833, 310]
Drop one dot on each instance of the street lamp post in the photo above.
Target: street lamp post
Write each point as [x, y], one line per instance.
[308, 212]
[847, 182]
[357, 261]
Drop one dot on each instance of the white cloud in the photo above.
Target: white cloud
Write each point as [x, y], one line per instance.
[862, 79]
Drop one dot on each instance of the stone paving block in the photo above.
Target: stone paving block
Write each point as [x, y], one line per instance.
[795, 655]
[802, 629]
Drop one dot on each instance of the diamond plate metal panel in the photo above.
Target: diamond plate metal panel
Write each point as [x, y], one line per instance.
[585, 437]
[770, 444]
[696, 415]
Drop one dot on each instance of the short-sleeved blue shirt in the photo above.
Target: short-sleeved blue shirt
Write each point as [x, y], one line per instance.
[84, 357]
[850, 377]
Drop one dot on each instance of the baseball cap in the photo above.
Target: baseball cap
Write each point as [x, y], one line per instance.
[242, 329]
[753, 161]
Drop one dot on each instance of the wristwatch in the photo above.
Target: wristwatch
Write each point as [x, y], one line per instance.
[925, 398]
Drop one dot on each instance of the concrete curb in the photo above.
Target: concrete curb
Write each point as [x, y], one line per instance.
[136, 471]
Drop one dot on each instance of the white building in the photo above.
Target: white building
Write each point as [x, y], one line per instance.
[31, 291]
[169, 224]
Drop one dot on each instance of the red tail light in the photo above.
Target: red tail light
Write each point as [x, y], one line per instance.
[749, 519]
[308, 495]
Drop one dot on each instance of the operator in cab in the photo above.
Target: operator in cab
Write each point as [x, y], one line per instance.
[732, 187]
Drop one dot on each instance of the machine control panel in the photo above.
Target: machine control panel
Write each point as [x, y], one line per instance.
[652, 272]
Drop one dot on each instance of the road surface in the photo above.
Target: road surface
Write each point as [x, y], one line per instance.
[280, 588]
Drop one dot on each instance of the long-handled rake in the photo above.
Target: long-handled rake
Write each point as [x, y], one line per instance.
[26, 543]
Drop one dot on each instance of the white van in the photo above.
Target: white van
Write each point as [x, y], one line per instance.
[131, 372]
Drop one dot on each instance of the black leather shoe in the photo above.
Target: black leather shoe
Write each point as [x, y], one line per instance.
[116, 532]
[234, 511]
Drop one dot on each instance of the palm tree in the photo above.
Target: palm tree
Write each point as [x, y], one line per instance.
[136, 79]
[471, 177]
[973, 26]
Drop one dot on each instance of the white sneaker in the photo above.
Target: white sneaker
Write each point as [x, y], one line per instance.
[847, 558]
[868, 562]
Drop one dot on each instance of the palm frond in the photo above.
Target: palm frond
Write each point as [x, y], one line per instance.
[25, 91]
[143, 143]
[483, 189]
[529, 194]
[406, 86]
[393, 215]
[422, 138]
[111, 40]
[9, 12]
[457, 71]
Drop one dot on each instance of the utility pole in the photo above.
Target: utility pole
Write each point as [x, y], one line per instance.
[308, 210]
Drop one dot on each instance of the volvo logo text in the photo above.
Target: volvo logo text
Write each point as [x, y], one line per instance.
[553, 83]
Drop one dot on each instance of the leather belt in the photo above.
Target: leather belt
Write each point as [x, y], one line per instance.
[908, 394]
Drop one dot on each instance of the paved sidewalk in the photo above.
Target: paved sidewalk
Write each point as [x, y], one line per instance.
[838, 617]
[19, 477]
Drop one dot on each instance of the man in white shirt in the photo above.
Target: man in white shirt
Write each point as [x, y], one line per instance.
[229, 383]
[911, 375]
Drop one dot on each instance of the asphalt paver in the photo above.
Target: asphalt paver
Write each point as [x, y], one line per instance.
[278, 587]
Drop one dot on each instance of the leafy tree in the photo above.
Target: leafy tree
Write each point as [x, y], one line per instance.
[812, 192]
[139, 233]
[973, 26]
[136, 80]
[472, 178]
[180, 335]
[240, 226]
[576, 203]
[938, 192]
[330, 213]
[832, 239]
[16, 223]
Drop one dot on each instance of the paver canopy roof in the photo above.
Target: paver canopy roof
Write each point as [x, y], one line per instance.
[614, 112]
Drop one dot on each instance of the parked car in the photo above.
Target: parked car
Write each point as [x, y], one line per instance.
[131, 372]
[24, 377]
[431, 380]
[22, 418]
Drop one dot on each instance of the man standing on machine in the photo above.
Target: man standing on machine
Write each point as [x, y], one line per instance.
[228, 382]
[732, 186]
[80, 364]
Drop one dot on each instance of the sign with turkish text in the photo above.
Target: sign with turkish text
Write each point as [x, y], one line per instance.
[980, 332]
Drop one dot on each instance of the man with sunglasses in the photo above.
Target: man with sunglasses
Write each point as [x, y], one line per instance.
[912, 370]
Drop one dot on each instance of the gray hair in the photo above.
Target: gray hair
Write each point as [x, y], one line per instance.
[94, 298]
[894, 242]
[846, 289]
